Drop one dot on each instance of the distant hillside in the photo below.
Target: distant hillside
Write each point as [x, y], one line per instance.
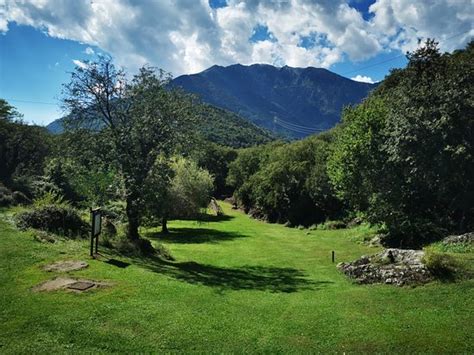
[217, 125]
[293, 101]
[226, 128]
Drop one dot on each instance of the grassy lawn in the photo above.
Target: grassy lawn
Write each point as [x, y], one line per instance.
[237, 285]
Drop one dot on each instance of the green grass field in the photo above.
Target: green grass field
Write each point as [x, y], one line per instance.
[237, 285]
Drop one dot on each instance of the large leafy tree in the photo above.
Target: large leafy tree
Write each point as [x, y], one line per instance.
[143, 118]
[23, 148]
[430, 141]
[8, 112]
[406, 155]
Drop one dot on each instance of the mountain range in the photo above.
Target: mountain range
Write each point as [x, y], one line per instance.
[294, 102]
[248, 105]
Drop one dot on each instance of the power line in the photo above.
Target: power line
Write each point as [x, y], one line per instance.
[296, 128]
[396, 57]
[279, 120]
[373, 65]
[32, 102]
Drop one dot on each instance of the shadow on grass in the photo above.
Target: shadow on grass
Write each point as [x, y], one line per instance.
[193, 235]
[212, 218]
[118, 263]
[272, 279]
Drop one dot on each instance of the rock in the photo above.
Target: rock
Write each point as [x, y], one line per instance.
[66, 266]
[392, 266]
[232, 201]
[54, 284]
[375, 241]
[215, 208]
[44, 237]
[354, 222]
[257, 214]
[467, 238]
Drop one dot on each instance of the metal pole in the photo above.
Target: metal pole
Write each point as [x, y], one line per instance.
[333, 256]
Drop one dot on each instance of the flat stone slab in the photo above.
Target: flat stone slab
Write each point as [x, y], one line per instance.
[54, 284]
[66, 283]
[66, 266]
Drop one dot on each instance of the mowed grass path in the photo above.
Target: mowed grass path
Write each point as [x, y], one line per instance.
[237, 285]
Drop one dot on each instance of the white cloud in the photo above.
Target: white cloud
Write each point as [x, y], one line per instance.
[79, 63]
[89, 51]
[189, 36]
[363, 79]
[400, 23]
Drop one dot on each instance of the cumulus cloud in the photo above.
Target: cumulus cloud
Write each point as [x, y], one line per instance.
[363, 79]
[79, 63]
[89, 51]
[189, 35]
[399, 24]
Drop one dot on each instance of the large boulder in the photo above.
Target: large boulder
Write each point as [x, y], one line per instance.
[392, 266]
[215, 208]
[467, 238]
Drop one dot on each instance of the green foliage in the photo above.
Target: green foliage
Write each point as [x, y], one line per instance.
[186, 194]
[355, 162]
[405, 156]
[442, 265]
[23, 150]
[228, 129]
[140, 247]
[190, 189]
[216, 159]
[58, 219]
[6, 198]
[330, 225]
[286, 182]
[248, 163]
[453, 247]
[235, 274]
[50, 198]
[8, 112]
[143, 118]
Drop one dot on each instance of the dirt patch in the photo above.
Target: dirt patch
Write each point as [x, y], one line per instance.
[69, 284]
[66, 266]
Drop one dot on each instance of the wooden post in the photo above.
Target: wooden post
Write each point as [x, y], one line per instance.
[92, 233]
[333, 256]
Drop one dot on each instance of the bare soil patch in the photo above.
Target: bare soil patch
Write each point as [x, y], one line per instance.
[69, 284]
[66, 266]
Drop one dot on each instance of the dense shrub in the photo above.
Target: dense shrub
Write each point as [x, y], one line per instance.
[140, 247]
[405, 156]
[286, 182]
[442, 265]
[23, 149]
[330, 225]
[20, 198]
[52, 218]
[6, 198]
[216, 159]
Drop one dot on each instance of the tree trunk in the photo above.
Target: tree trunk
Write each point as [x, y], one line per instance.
[164, 226]
[133, 220]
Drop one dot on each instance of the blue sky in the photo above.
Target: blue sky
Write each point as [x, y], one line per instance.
[41, 43]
